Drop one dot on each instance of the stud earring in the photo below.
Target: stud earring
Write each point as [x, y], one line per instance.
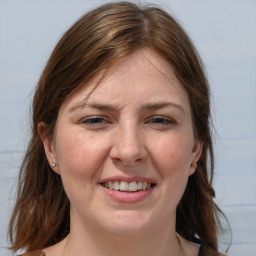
[195, 164]
[53, 165]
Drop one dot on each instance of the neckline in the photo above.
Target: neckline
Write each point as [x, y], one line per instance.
[200, 253]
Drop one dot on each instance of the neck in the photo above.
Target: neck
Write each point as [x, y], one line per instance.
[85, 241]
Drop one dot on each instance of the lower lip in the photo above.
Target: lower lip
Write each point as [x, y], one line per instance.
[128, 197]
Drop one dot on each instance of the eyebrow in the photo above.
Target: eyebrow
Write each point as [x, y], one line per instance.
[146, 107]
[160, 105]
[99, 106]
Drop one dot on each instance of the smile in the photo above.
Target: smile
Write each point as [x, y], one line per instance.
[125, 186]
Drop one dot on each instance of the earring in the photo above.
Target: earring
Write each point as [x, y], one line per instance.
[195, 165]
[53, 165]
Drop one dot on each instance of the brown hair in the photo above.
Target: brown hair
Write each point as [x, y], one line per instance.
[97, 41]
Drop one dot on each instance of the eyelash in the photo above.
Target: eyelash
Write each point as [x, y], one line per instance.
[161, 121]
[98, 121]
[95, 121]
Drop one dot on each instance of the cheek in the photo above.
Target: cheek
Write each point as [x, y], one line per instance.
[173, 155]
[80, 156]
[80, 160]
[173, 159]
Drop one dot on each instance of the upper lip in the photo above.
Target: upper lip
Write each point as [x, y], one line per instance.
[128, 179]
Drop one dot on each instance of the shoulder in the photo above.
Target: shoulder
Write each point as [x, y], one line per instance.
[35, 253]
[207, 251]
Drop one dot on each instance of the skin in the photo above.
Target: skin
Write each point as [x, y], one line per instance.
[143, 127]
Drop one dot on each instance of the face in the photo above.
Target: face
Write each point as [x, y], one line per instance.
[125, 152]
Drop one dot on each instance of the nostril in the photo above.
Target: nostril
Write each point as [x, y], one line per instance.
[128, 156]
[123, 162]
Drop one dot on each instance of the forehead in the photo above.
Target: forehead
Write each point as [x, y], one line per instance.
[143, 75]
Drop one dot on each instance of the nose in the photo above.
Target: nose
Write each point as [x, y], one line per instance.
[128, 146]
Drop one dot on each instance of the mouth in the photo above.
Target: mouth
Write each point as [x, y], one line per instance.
[130, 187]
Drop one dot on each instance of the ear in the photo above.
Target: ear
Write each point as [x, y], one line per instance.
[48, 146]
[196, 154]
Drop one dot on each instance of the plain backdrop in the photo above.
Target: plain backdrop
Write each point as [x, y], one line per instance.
[224, 32]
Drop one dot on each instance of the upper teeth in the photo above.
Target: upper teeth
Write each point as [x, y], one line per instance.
[127, 186]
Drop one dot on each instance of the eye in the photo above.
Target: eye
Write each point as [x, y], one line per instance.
[95, 121]
[161, 121]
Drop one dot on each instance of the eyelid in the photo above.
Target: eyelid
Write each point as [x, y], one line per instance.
[168, 120]
[92, 117]
[98, 121]
[88, 121]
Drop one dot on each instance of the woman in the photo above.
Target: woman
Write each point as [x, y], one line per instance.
[120, 160]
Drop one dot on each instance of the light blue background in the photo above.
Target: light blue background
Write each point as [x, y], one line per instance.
[225, 34]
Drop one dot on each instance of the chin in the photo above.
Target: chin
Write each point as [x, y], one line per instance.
[127, 232]
[127, 224]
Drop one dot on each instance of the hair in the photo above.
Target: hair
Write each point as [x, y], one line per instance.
[97, 41]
